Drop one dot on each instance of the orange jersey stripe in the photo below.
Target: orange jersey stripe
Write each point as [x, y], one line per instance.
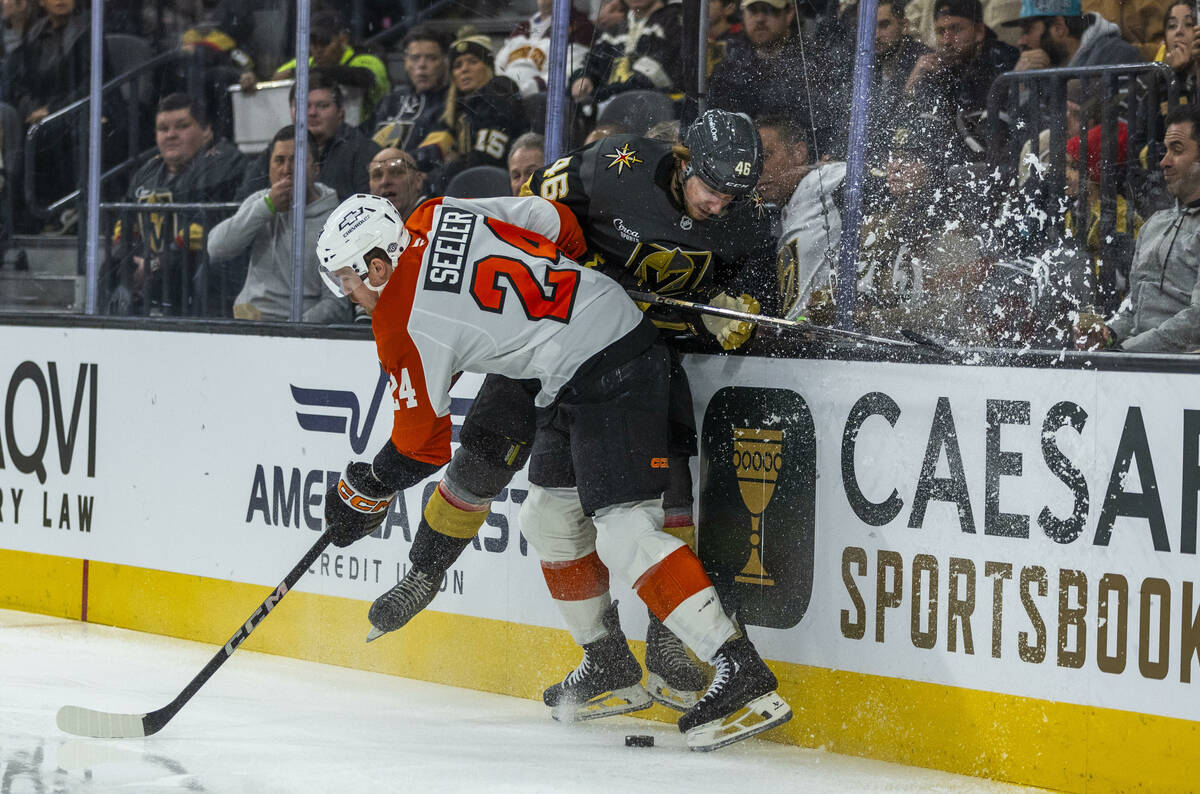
[670, 582]
[576, 580]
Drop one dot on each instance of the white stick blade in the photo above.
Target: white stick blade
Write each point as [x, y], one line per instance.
[100, 724]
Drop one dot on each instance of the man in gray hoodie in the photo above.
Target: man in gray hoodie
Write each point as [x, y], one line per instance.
[263, 226]
[1162, 312]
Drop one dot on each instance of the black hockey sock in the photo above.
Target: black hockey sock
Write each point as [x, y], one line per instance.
[434, 552]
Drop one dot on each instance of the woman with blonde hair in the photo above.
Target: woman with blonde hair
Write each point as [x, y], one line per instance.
[483, 114]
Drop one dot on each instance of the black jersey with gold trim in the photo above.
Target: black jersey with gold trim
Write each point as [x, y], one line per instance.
[623, 191]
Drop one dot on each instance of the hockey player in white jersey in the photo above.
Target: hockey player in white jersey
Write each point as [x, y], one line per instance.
[458, 289]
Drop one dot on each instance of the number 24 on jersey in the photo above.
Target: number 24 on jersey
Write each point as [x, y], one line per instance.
[403, 390]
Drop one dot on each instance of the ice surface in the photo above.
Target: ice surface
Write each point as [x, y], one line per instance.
[266, 724]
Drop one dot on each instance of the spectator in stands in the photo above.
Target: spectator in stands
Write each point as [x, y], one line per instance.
[764, 72]
[763, 68]
[1179, 41]
[1180, 51]
[1162, 312]
[216, 56]
[1057, 33]
[394, 176]
[525, 55]
[643, 52]
[1140, 21]
[919, 265]
[1111, 254]
[955, 79]
[810, 197]
[896, 55]
[483, 115]
[995, 14]
[527, 155]
[412, 110]
[17, 16]
[723, 29]
[154, 256]
[46, 73]
[604, 130]
[331, 53]
[262, 227]
[343, 152]
[610, 16]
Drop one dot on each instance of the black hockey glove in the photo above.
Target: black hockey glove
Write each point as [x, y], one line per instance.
[357, 505]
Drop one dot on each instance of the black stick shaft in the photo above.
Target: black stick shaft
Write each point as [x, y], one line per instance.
[775, 322]
[155, 720]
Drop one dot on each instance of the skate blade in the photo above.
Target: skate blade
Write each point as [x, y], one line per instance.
[606, 704]
[663, 693]
[758, 715]
[374, 634]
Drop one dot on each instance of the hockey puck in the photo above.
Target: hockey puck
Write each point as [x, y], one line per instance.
[639, 741]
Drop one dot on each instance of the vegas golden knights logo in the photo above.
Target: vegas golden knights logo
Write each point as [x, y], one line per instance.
[757, 511]
[668, 270]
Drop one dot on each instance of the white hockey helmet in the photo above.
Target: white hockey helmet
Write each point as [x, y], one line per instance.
[359, 225]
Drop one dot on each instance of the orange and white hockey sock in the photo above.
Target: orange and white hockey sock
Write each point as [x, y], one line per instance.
[680, 594]
[580, 590]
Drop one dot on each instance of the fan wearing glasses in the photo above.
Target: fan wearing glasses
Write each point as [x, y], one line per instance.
[393, 175]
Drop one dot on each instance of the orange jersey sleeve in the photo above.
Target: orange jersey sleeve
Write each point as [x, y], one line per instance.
[570, 236]
[417, 431]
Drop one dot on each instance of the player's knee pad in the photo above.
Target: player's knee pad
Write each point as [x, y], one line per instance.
[478, 473]
[553, 522]
[630, 540]
[503, 450]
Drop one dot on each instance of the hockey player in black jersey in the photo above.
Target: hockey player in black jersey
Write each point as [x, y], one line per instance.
[674, 220]
[682, 221]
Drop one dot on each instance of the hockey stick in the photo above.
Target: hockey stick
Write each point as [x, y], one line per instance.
[913, 342]
[107, 725]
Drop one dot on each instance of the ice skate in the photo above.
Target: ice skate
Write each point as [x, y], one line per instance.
[399, 605]
[740, 702]
[675, 680]
[607, 682]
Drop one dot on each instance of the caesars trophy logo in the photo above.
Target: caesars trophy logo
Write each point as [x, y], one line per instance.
[758, 502]
[757, 458]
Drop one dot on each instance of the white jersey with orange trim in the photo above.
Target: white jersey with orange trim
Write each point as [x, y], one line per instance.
[475, 292]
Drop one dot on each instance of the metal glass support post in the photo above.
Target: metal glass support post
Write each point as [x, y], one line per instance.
[701, 61]
[299, 171]
[556, 86]
[91, 226]
[864, 67]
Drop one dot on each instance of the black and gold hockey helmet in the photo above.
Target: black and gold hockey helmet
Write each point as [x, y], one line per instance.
[726, 152]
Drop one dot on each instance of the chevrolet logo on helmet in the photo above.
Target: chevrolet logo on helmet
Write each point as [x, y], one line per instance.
[352, 218]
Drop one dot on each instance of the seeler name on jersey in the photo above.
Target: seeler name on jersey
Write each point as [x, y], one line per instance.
[448, 250]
